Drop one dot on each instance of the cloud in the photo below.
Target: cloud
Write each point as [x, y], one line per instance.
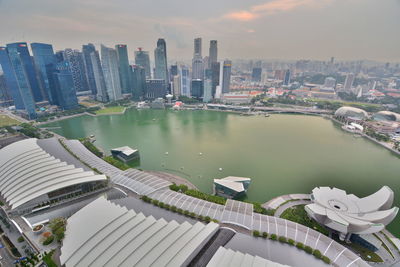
[273, 7]
[171, 33]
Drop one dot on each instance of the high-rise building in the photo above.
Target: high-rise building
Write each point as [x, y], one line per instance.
[185, 80]
[197, 67]
[43, 56]
[101, 88]
[29, 68]
[17, 79]
[77, 66]
[329, 82]
[256, 74]
[160, 56]
[197, 88]
[348, 83]
[138, 82]
[176, 86]
[155, 88]
[286, 79]
[225, 76]
[207, 91]
[173, 71]
[5, 94]
[63, 83]
[87, 50]
[213, 55]
[109, 60]
[124, 68]
[215, 68]
[142, 59]
[197, 47]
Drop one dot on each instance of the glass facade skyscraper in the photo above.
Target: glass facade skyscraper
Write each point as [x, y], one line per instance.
[124, 69]
[87, 50]
[138, 82]
[77, 67]
[142, 59]
[213, 53]
[109, 62]
[160, 56]
[63, 83]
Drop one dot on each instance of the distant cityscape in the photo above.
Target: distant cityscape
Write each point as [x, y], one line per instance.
[38, 79]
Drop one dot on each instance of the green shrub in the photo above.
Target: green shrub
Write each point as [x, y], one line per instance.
[308, 249]
[48, 240]
[326, 259]
[20, 239]
[167, 206]
[317, 254]
[265, 234]
[282, 239]
[161, 204]
[174, 187]
[200, 217]
[155, 202]
[15, 252]
[192, 214]
[180, 211]
[274, 237]
[204, 196]
[207, 219]
[186, 212]
[256, 233]
[173, 208]
[183, 188]
[300, 245]
[291, 242]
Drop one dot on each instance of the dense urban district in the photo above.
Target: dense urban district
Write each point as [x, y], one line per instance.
[68, 203]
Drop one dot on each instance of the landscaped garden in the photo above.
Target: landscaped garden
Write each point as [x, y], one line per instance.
[110, 110]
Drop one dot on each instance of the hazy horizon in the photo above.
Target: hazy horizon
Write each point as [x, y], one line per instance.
[252, 29]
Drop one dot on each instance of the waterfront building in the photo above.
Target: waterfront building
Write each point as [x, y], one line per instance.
[138, 82]
[142, 59]
[184, 73]
[386, 116]
[29, 68]
[125, 153]
[109, 62]
[17, 80]
[347, 214]
[63, 85]
[215, 74]
[87, 51]
[256, 74]
[231, 186]
[348, 83]
[5, 94]
[176, 86]
[124, 70]
[207, 91]
[43, 56]
[155, 88]
[77, 66]
[160, 57]
[213, 53]
[225, 76]
[101, 88]
[351, 113]
[197, 88]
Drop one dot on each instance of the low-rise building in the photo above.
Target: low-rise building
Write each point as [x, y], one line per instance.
[231, 186]
[125, 153]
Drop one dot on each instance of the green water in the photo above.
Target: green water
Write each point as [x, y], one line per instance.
[282, 154]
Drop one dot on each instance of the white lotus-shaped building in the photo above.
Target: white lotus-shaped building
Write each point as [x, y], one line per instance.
[349, 214]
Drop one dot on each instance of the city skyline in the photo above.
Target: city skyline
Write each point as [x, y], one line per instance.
[274, 29]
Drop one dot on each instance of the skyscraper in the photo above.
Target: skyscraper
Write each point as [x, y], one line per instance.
[197, 47]
[185, 80]
[87, 50]
[286, 79]
[173, 71]
[197, 88]
[43, 55]
[176, 86]
[17, 78]
[256, 74]
[29, 68]
[225, 76]
[101, 88]
[213, 53]
[197, 67]
[348, 83]
[207, 91]
[142, 59]
[77, 66]
[215, 69]
[138, 82]
[5, 94]
[160, 56]
[155, 88]
[109, 62]
[124, 68]
[64, 86]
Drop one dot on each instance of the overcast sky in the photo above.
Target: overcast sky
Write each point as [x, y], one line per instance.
[265, 29]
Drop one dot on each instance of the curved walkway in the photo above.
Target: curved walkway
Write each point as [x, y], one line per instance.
[290, 204]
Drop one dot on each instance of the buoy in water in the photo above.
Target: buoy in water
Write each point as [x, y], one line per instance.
[200, 153]
[166, 153]
[220, 169]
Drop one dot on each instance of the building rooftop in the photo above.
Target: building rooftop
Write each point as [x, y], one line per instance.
[233, 183]
[126, 150]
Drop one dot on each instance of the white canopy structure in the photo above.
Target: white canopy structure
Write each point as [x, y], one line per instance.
[28, 172]
[227, 257]
[105, 234]
[349, 214]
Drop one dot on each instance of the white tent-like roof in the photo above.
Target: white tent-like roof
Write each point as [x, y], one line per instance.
[232, 182]
[27, 172]
[105, 234]
[227, 257]
[125, 150]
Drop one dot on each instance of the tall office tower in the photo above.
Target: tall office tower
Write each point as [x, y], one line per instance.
[197, 47]
[176, 86]
[160, 56]
[279, 75]
[29, 67]
[5, 94]
[213, 54]
[286, 79]
[87, 50]
[138, 82]
[59, 56]
[43, 56]
[173, 71]
[63, 83]
[348, 83]
[77, 66]
[225, 76]
[155, 88]
[124, 68]
[256, 74]
[109, 62]
[215, 68]
[197, 68]
[197, 88]
[330, 82]
[17, 80]
[185, 80]
[332, 60]
[101, 88]
[207, 91]
[142, 59]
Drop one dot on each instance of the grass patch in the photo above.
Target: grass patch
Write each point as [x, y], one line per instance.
[48, 259]
[299, 215]
[108, 110]
[117, 163]
[7, 121]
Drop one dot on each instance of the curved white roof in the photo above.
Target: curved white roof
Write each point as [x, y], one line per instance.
[387, 115]
[105, 234]
[27, 172]
[351, 112]
[345, 213]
